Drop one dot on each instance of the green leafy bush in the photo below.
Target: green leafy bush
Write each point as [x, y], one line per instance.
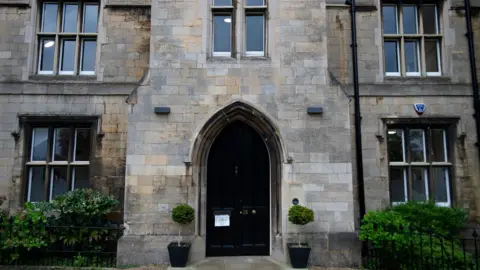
[419, 233]
[83, 207]
[24, 231]
[300, 215]
[183, 214]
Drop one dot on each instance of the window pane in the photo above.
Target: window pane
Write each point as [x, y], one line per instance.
[255, 3]
[82, 144]
[432, 56]
[417, 145]
[439, 151]
[61, 144]
[411, 56]
[70, 17]
[222, 2]
[391, 56]
[39, 144]
[409, 19]
[49, 18]
[58, 182]
[389, 19]
[36, 189]
[222, 33]
[89, 53]
[442, 185]
[47, 50]
[398, 184]
[395, 145]
[80, 177]
[429, 15]
[90, 17]
[67, 62]
[255, 31]
[419, 180]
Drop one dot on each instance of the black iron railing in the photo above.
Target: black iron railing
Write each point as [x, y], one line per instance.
[411, 249]
[60, 245]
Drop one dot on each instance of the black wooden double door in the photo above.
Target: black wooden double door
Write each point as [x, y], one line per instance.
[238, 186]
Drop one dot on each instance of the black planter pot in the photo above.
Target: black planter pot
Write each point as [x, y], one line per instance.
[299, 255]
[178, 254]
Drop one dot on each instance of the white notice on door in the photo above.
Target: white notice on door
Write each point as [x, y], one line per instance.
[222, 220]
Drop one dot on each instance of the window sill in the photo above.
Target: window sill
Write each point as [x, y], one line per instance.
[63, 78]
[416, 79]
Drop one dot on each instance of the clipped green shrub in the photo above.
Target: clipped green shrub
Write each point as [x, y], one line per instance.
[182, 214]
[416, 234]
[300, 215]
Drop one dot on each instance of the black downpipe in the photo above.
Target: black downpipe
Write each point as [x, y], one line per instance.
[473, 70]
[358, 117]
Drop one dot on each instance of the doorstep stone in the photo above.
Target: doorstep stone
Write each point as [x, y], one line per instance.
[235, 263]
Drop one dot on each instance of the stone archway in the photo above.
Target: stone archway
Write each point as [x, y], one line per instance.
[203, 140]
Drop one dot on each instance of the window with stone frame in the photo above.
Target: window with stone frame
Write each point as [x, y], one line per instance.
[412, 38]
[419, 164]
[224, 37]
[67, 37]
[58, 159]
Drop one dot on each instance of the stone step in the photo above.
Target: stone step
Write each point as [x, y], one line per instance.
[236, 263]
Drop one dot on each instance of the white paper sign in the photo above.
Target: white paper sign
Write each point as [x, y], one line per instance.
[222, 220]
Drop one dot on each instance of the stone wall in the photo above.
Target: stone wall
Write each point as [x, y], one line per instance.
[315, 163]
[124, 56]
[13, 45]
[383, 97]
[107, 169]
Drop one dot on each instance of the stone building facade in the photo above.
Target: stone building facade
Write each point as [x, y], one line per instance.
[169, 102]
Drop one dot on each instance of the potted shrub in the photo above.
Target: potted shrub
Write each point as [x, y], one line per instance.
[299, 252]
[178, 251]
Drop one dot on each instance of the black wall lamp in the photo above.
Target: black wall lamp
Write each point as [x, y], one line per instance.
[162, 110]
[314, 110]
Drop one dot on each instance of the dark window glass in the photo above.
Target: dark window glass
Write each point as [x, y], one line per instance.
[59, 184]
[395, 145]
[223, 3]
[68, 55]
[391, 56]
[411, 56]
[82, 144]
[47, 53]
[418, 184]
[49, 17]
[429, 19]
[61, 144]
[255, 3]
[441, 182]
[80, 177]
[70, 18]
[222, 25]
[409, 20]
[417, 145]
[389, 19]
[90, 18]
[431, 56]
[255, 33]
[39, 144]
[438, 145]
[36, 189]
[397, 176]
[89, 53]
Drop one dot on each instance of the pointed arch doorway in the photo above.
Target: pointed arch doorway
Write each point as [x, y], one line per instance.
[238, 193]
